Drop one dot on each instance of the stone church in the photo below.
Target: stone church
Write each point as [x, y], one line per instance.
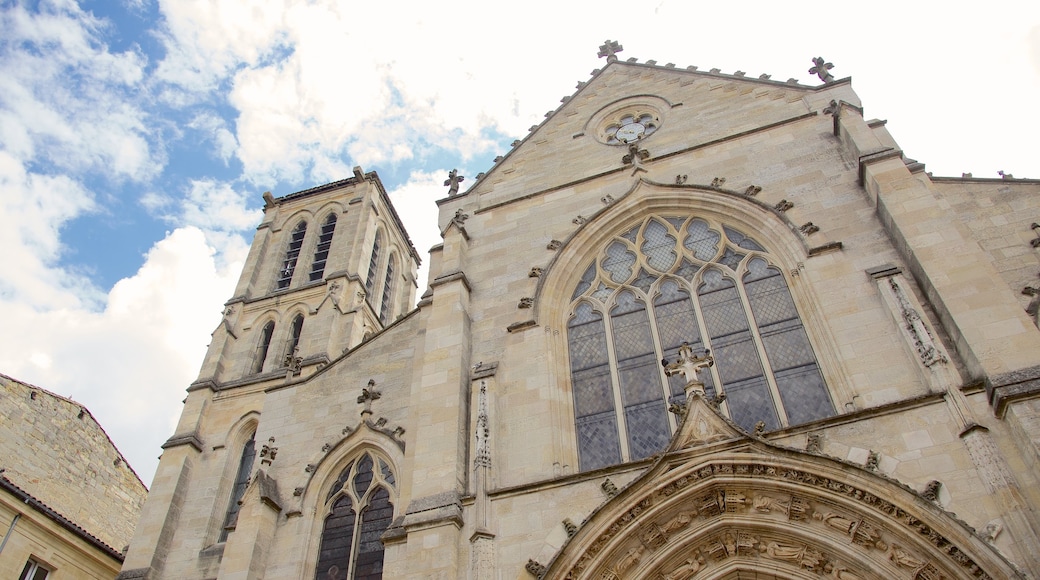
[693, 325]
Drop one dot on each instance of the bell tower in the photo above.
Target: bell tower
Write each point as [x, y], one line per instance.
[329, 266]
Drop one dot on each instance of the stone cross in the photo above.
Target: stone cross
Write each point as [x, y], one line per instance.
[610, 49]
[453, 181]
[368, 394]
[689, 365]
[822, 69]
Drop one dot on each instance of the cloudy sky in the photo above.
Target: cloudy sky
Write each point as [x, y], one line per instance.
[136, 138]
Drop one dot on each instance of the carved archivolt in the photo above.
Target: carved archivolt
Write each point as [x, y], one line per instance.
[747, 509]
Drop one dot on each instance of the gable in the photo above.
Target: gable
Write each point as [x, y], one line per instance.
[690, 109]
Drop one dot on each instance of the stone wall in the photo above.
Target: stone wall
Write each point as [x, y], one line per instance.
[53, 448]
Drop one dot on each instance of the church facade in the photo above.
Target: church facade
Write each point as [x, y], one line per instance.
[693, 325]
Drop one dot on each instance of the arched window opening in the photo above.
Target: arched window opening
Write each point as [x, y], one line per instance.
[245, 466]
[292, 254]
[262, 347]
[359, 510]
[321, 251]
[373, 265]
[386, 308]
[670, 280]
[293, 341]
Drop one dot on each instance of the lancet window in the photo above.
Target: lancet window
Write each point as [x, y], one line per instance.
[359, 508]
[262, 347]
[388, 291]
[245, 466]
[373, 266]
[321, 251]
[292, 254]
[295, 331]
[675, 279]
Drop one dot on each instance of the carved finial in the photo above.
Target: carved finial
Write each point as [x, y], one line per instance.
[526, 303]
[717, 182]
[453, 181]
[809, 228]
[268, 452]
[607, 199]
[535, 272]
[680, 179]
[580, 220]
[293, 362]
[635, 156]
[783, 205]
[760, 428]
[1005, 175]
[832, 108]
[369, 394]
[483, 453]
[610, 49]
[609, 488]
[689, 365]
[752, 191]
[554, 245]
[460, 217]
[822, 69]
[1036, 230]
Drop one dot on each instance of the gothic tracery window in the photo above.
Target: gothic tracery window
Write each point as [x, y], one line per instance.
[373, 266]
[295, 331]
[359, 509]
[671, 280]
[292, 254]
[321, 251]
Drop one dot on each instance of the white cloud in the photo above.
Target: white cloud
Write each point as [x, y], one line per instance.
[130, 362]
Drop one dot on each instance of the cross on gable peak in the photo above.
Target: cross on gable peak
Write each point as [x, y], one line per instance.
[610, 49]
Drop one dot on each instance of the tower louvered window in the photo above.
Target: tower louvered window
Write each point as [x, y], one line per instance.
[676, 279]
[321, 251]
[359, 510]
[373, 266]
[386, 305]
[245, 466]
[292, 254]
[262, 347]
[294, 336]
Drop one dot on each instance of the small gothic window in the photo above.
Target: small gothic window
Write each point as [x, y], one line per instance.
[292, 254]
[670, 280]
[294, 336]
[385, 311]
[245, 466]
[359, 509]
[373, 265]
[321, 252]
[262, 347]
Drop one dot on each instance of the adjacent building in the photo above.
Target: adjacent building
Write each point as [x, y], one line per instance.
[693, 325]
[69, 501]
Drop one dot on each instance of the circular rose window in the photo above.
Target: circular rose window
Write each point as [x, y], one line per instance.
[630, 128]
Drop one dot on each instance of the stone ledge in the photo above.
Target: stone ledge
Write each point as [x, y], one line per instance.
[184, 439]
[451, 277]
[1011, 387]
[134, 574]
[519, 326]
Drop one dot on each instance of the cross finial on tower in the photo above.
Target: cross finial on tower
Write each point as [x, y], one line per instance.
[368, 394]
[453, 181]
[610, 49]
[822, 69]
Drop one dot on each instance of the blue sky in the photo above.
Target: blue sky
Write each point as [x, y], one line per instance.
[137, 136]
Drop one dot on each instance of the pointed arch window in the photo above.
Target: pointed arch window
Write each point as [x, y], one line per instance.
[294, 336]
[359, 509]
[675, 279]
[245, 466]
[262, 347]
[386, 308]
[321, 251]
[292, 254]
[373, 266]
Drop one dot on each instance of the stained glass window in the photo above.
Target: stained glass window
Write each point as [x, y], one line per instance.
[386, 305]
[359, 510]
[674, 279]
[262, 347]
[373, 266]
[295, 331]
